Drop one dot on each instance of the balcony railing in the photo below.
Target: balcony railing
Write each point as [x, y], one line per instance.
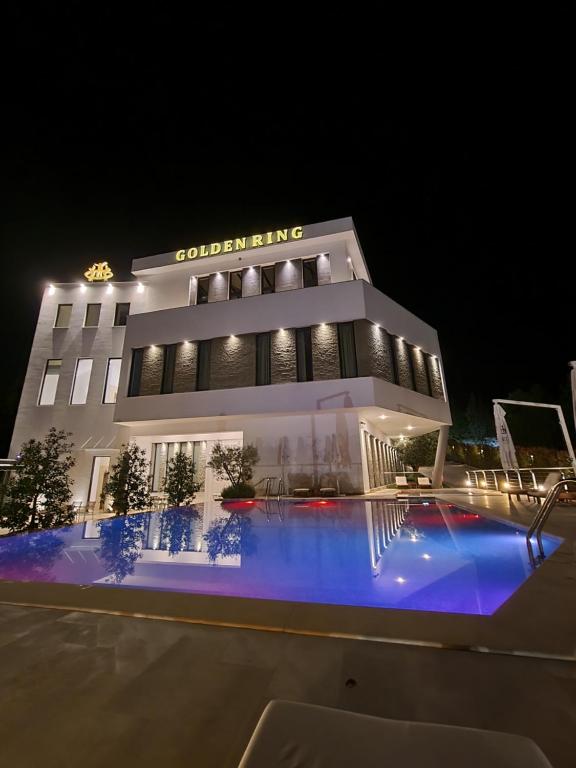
[507, 480]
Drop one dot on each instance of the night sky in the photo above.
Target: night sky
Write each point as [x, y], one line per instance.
[456, 209]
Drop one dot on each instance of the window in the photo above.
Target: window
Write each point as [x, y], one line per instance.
[268, 279]
[81, 381]
[263, 369]
[50, 382]
[121, 314]
[202, 290]
[304, 354]
[310, 272]
[63, 316]
[92, 315]
[135, 372]
[168, 369]
[347, 348]
[236, 285]
[203, 370]
[112, 380]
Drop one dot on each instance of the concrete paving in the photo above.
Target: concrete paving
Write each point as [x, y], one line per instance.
[93, 690]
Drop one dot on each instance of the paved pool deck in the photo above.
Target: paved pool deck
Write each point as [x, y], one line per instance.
[81, 685]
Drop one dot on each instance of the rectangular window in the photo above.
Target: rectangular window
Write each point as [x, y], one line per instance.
[235, 285]
[121, 314]
[202, 290]
[309, 273]
[63, 316]
[268, 279]
[168, 369]
[203, 370]
[92, 315]
[135, 372]
[112, 380]
[81, 381]
[50, 382]
[304, 354]
[263, 363]
[347, 348]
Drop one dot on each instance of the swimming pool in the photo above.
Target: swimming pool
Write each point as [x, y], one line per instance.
[425, 556]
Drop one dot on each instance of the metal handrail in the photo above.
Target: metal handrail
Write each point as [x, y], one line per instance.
[512, 478]
[543, 515]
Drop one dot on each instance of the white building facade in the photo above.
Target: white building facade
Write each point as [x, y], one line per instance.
[277, 339]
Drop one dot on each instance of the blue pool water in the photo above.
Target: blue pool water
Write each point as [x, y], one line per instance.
[425, 556]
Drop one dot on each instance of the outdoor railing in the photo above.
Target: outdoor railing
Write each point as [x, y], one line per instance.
[511, 479]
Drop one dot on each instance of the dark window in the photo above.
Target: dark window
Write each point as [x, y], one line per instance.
[347, 347]
[263, 369]
[92, 315]
[63, 316]
[268, 279]
[236, 285]
[168, 369]
[202, 290]
[121, 314]
[304, 354]
[203, 370]
[135, 372]
[310, 272]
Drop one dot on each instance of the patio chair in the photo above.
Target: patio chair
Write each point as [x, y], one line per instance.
[539, 492]
[290, 733]
[401, 481]
[424, 482]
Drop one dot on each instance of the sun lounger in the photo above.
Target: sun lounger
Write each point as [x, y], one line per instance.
[538, 493]
[401, 481]
[424, 482]
[290, 733]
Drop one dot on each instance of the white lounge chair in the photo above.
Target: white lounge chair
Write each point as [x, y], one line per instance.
[401, 481]
[289, 733]
[424, 482]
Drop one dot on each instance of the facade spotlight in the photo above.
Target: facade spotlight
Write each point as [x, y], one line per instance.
[417, 349]
[82, 288]
[110, 289]
[51, 290]
[140, 288]
[400, 338]
[383, 416]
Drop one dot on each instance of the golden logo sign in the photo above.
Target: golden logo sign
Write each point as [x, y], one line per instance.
[240, 244]
[99, 271]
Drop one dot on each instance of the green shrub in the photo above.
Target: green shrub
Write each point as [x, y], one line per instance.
[239, 491]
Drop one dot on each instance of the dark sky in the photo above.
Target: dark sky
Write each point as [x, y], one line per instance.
[457, 207]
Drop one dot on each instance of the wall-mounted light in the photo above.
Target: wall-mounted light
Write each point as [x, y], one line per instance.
[232, 336]
[140, 288]
[383, 416]
[409, 426]
[153, 346]
[400, 338]
[110, 289]
[287, 261]
[82, 288]
[349, 260]
[434, 357]
[417, 349]
[281, 330]
[376, 325]
[51, 290]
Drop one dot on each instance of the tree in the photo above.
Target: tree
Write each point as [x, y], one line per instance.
[39, 491]
[179, 484]
[234, 463]
[128, 480]
[418, 451]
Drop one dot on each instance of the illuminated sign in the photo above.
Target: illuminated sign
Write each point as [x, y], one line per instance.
[240, 244]
[97, 272]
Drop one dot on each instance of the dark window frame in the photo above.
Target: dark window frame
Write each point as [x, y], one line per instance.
[58, 308]
[304, 361]
[270, 287]
[314, 272]
[168, 368]
[203, 362]
[135, 378]
[92, 304]
[263, 366]
[204, 279]
[118, 314]
[230, 276]
[344, 328]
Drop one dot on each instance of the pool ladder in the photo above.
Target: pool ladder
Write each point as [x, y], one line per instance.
[542, 516]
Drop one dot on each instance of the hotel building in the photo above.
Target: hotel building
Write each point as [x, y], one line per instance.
[279, 340]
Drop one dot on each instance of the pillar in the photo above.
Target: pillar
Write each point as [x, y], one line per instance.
[438, 472]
